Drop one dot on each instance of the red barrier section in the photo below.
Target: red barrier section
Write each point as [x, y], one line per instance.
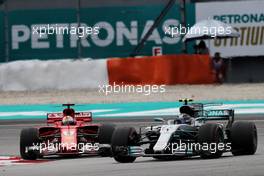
[169, 70]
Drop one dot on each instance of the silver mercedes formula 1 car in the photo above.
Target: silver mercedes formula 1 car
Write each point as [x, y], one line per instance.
[195, 132]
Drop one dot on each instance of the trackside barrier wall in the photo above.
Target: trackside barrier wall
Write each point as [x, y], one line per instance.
[169, 70]
[58, 75]
[87, 73]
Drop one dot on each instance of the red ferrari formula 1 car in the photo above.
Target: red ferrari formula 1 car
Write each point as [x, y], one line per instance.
[66, 133]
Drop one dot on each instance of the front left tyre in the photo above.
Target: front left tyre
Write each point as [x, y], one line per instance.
[122, 138]
[29, 137]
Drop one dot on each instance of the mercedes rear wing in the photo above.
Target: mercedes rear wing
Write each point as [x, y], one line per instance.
[219, 114]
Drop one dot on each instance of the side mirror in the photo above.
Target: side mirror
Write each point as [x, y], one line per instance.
[159, 120]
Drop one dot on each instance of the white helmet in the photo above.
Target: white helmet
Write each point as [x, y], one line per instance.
[68, 120]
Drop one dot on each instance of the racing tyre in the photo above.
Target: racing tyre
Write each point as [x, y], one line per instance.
[244, 138]
[121, 139]
[211, 135]
[28, 137]
[104, 138]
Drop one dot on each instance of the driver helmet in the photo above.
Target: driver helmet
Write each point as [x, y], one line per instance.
[185, 118]
[189, 110]
[68, 120]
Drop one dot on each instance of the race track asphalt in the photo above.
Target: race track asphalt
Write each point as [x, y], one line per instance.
[96, 166]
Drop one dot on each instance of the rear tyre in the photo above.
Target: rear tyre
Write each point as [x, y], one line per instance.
[244, 138]
[104, 137]
[29, 137]
[121, 139]
[210, 135]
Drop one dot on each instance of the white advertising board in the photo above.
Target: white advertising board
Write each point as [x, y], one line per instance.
[245, 16]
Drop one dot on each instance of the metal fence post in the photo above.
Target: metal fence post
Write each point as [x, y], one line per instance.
[78, 15]
[183, 21]
[156, 23]
[6, 31]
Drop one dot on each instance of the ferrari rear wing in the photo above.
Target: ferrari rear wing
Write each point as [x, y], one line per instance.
[79, 116]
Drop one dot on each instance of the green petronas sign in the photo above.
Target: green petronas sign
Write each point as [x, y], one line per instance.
[104, 32]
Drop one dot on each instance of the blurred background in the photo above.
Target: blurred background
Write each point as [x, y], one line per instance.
[123, 28]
